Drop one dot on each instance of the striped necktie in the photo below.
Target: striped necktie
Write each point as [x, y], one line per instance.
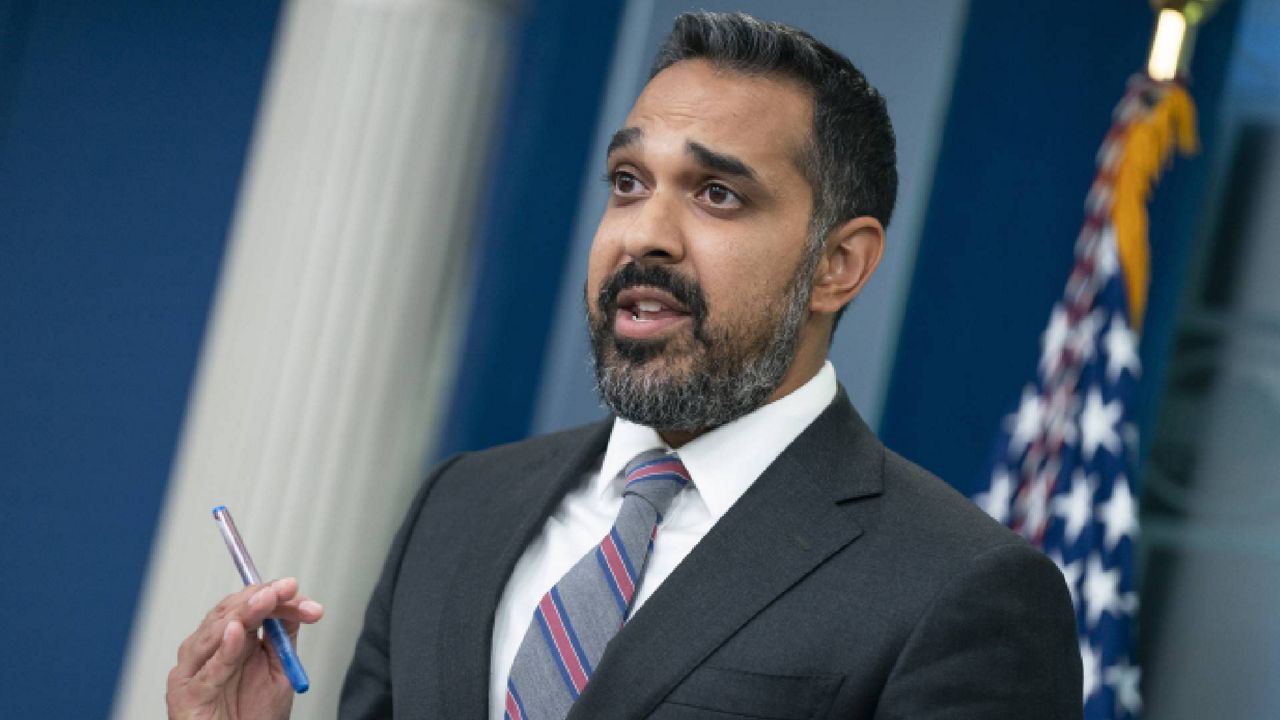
[584, 610]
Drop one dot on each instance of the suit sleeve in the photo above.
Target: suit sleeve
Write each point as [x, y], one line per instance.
[366, 691]
[999, 641]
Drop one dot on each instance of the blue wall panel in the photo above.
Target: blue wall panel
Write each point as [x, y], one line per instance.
[123, 130]
[557, 78]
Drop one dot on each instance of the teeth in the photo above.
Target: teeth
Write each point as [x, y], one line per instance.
[648, 306]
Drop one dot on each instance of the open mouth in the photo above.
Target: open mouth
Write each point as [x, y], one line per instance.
[647, 312]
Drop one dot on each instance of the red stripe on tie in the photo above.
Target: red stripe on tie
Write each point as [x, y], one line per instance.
[672, 467]
[617, 568]
[564, 647]
[513, 710]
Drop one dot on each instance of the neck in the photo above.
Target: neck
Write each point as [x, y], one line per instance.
[676, 438]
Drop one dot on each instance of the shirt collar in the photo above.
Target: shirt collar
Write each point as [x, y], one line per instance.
[725, 462]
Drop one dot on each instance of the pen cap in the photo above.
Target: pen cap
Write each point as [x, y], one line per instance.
[239, 554]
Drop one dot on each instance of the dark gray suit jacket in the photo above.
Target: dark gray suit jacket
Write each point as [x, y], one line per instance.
[846, 583]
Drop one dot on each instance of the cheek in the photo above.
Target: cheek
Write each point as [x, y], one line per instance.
[747, 281]
[736, 302]
[599, 267]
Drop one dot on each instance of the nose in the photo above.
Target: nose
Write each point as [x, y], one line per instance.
[654, 235]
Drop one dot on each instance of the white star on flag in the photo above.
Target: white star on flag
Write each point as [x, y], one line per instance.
[996, 500]
[1075, 507]
[1119, 513]
[1122, 349]
[1123, 678]
[1091, 664]
[1026, 425]
[1083, 336]
[1098, 423]
[1101, 590]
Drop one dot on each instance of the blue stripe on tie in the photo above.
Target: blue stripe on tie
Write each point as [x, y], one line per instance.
[610, 581]
[622, 553]
[555, 653]
[669, 477]
[568, 628]
[519, 703]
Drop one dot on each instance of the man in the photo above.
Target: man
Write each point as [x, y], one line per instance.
[788, 565]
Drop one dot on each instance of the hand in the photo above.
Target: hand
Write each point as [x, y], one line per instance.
[224, 671]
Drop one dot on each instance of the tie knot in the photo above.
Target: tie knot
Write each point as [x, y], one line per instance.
[657, 477]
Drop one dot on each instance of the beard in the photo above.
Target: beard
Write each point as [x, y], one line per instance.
[703, 379]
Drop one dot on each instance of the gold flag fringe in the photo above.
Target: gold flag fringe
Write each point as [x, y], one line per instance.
[1147, 145]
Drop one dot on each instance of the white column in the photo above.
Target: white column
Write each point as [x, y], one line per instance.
[336, 322]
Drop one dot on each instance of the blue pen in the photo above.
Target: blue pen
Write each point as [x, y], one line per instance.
[271, 627]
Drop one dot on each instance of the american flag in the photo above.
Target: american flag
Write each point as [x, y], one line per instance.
[1062, 469]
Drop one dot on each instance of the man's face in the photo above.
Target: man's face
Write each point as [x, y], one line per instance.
[696, 292]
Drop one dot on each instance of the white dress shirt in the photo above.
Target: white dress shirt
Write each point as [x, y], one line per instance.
[722, 464]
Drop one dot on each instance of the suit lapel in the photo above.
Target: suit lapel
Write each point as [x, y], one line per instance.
[785, 526]
[496, 544]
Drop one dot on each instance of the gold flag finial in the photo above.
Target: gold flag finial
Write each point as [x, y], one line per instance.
[1175, 35]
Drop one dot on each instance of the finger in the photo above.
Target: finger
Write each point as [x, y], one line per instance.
[286, 588]
[305, 611]
[196, 650]
[266, 603]
[291, 605]
[230, 603]
[249, 607]
[229, 658]
[308, 612]
[260, 605]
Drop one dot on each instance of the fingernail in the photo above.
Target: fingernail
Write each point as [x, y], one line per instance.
[311, 607]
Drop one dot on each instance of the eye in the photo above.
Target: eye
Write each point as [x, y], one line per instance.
[719, 196]
[624, 183]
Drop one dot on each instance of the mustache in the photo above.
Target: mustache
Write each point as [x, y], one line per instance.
[686, 292]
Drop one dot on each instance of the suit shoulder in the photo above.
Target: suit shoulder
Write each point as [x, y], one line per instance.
[955, 549]
[922, 504]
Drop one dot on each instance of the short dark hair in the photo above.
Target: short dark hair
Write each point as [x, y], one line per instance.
[851, 162]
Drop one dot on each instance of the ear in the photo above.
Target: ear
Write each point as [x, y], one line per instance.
[852, 252]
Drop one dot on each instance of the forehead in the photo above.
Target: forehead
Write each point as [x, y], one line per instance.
[763, 119]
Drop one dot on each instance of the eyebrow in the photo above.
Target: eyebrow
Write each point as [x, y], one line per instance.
[719, 162]
[623, 138]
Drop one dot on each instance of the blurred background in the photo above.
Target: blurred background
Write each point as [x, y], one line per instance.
[285, 256]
